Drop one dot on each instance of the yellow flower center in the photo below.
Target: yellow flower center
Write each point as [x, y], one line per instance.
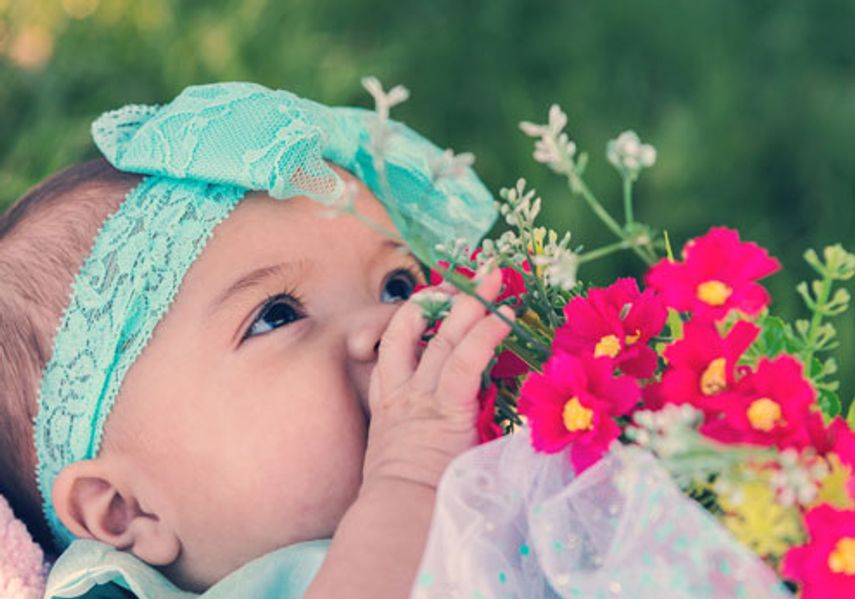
[714, 293]
[608, 346]
[764, 414]
[842, 558]
[630, 339]
[577, 417]
[535, 248]
[714, 378]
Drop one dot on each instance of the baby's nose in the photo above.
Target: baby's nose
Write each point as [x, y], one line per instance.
[363, 342]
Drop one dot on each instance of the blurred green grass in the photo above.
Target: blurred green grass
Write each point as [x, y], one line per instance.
[751, 105]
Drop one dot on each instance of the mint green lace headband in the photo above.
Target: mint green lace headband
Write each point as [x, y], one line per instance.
[201, 153]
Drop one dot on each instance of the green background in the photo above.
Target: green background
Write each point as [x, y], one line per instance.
[750, 104]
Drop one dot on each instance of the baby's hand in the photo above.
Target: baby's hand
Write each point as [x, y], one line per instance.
[424, 409]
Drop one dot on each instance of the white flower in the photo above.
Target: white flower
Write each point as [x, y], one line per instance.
[450, 165]
[554, 148]
[560, 266]
[435, 304]
[668, 432]
[557, 122]
[522, 207]
[798, 479]
[384, 101]
[628, 155]
[380, 130]
[457, 252]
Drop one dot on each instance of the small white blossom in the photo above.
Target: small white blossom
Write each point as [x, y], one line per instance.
[450, 165]
[520, 210]
[560, 266]
[667, 432]
[628, 155]
[554, 148]
[384, 101]
[557, 122]
[509, 244]
[380, 130]
[798, 479]
[435, 304]
[457, 252]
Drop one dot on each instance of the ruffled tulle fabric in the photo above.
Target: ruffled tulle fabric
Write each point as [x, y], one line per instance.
[513, 523]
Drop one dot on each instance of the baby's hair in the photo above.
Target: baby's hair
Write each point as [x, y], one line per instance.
[44, 238]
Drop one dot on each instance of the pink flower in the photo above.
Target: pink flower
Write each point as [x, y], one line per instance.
[825, 566]
[616, 322]
[717, 275]
[702, 365]
[574, 402]
[771, 406]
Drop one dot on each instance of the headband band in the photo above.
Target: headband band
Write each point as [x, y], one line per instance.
[201, 153]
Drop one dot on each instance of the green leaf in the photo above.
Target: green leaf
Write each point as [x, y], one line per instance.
[829, 403]
[675, 324]
[850, 417]
[774, 336]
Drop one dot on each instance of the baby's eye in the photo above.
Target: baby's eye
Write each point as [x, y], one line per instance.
[278, 311]
[401, 282]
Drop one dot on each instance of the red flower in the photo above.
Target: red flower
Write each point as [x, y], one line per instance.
[509, 365]
[771, 406]
[825, 567]
[486, 424]
[717, 275]
[574, 402]
[513, 284]
[702, 365]
[615, 322]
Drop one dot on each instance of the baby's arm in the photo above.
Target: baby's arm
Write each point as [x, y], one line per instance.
[423, 415]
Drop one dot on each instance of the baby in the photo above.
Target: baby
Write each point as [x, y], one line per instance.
[278, 395]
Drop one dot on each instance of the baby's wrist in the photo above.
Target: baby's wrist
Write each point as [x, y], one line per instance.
[394, 481]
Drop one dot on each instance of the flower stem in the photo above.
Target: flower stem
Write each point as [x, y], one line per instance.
[603, 251]
[816, 319]
[541, 289]
[466, 286]
[577, 185]
[627, 199]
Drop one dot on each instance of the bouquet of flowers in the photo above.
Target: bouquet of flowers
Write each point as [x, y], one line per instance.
[739, 406]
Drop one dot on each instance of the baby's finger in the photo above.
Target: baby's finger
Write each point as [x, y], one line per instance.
[461, 376]
[397, 357]
[467, 311]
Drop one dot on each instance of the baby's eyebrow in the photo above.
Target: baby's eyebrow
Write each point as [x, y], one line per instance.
[283, 269]
[258, 276]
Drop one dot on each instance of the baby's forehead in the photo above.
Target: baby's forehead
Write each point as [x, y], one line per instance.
[263, 231]
[303, 218]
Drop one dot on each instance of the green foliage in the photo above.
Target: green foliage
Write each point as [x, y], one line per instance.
[808, 338]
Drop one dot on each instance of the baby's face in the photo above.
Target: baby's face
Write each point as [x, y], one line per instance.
[243, 424]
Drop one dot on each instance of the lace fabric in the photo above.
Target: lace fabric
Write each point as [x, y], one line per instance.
[512, 523]
[201, 153]
[120, 294]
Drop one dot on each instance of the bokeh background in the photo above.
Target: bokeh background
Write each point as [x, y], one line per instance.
[751, 104]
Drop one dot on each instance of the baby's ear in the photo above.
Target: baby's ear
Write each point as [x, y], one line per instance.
[94, 504]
